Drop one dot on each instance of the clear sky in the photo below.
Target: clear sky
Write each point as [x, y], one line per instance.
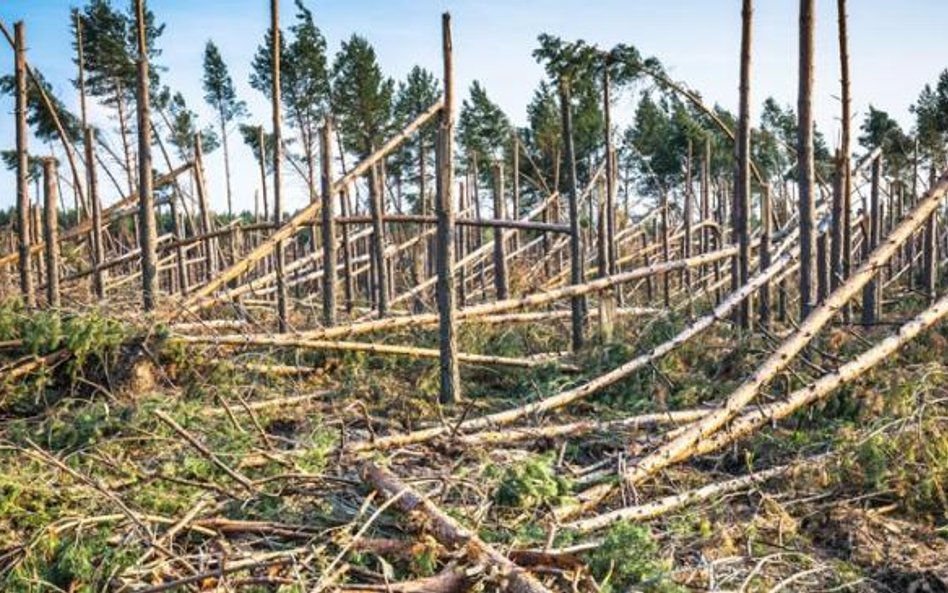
[895, 46]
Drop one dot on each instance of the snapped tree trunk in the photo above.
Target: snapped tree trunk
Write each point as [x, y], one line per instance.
[51, 231]
[279, 253]
[576, 256]
[500, 256]
[805, 162]
[148, 231]
[22, 168]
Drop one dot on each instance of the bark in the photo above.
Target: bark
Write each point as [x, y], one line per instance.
[329, 229]
[450, 392]
[500, 257]
[576, 256]
[870, 293]
[51, 232]
[277, 244]
[766, 225]
[22, 169]
[805, 161]
[148, 235]
[845, 141]
[98, 245]
[377, 212]
[742, 197]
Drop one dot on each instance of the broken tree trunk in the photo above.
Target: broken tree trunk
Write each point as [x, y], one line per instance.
[277, 115]
[805, 162]
[450, 391]
[329, 229]
[593, 386]
[98, 246]
[500, 257]
[576, 256]
[685, 444]
[22, 169]
[51, 232]
[148, 229]
[448, 531]
[742, 189]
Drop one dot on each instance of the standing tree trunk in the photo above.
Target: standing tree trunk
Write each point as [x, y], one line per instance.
[230, 202]
[98, 246]
[930, 249]
[51, 232]
[22, 168]
[515, 179]
[611, 254]
[278, 163]
[575, 251]
[329, 231]
[447, 326]
[148, 235]
[262, 149]
[845, 145]
[377, 211]
[210, 245]
[870, 293]
[805, 159]
[500, 257]
[766, 227]
[666, 251]
[836, 224]
[346, 252]
[742, 188]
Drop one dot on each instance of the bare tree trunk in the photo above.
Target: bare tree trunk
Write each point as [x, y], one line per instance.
[500, 256]
[447, 326]
[51, 232]
[845, 143]
[870, 293]
[148, 237]
[766, 227]
[805, 160]
[515, 179]
[836, 224]
[22, 168]
[742, 198]
[210, 245]
[377, 211]
[329, 231]
[230, 202]
[346, 253]
[98, 247]
[461, 244]
[688, 214]
[278, 163]
[666, 251]
[930, 250]
[263, 171]
[611, 255]
[180, 253]
[576, 257]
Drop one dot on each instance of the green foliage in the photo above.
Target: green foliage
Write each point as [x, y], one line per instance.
[419, 91]
[931, 119]
[183, 125]
[879, 130]
[531, 483]
[219, 91]
[361, 97]
[483, 130]
[83, 563]
[628, 556]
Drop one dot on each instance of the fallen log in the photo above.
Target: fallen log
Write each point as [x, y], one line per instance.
[673, 502]
[448, 531]
[477, 311]
[585, 390]
[304, 216]
[686, 444]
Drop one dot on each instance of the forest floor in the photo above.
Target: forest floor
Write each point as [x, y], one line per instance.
[137, 463]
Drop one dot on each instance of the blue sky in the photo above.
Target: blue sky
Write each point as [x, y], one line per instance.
[895, 47]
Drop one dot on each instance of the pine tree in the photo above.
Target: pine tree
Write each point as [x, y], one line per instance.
[362, 105]
[483, 129]
[220, 94]
[419, 91]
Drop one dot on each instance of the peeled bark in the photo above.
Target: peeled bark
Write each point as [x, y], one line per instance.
[22, 169]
